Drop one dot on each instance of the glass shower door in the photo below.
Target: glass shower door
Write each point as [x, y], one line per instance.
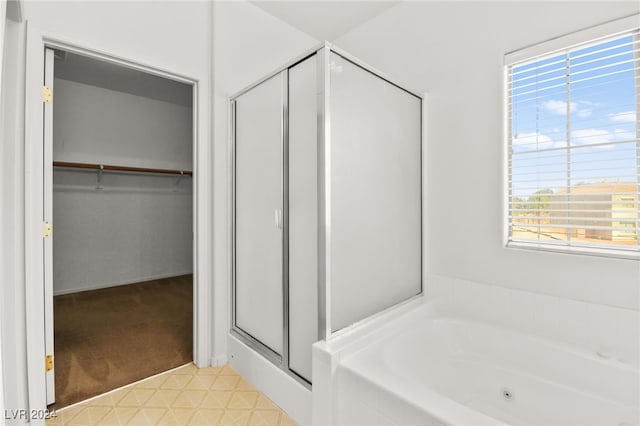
[259, 221]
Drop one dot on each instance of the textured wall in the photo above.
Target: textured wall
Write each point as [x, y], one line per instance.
[139, 226]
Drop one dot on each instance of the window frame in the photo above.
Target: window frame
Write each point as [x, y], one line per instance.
[545, 49]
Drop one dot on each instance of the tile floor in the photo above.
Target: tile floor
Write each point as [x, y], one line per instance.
[184, 396]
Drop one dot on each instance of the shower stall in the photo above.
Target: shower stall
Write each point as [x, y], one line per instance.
[326, 203]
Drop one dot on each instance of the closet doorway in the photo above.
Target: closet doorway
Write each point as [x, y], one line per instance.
[118, 162]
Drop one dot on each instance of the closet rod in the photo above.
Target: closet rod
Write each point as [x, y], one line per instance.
[120, 168]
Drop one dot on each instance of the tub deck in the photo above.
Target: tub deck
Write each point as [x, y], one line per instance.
[429, 369]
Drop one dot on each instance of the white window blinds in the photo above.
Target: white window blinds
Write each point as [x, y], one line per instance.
[574, 147]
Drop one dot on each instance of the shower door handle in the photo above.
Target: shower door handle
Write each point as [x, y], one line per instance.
[278, 217]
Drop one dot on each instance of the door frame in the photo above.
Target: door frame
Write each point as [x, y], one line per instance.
[3, 17]
[34, 203]
[47, 213]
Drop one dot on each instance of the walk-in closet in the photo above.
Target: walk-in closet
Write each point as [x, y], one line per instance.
[119, 171]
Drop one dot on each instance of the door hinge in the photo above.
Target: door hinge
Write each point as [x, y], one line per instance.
[47, 94]
[48, 363]
[47, 229]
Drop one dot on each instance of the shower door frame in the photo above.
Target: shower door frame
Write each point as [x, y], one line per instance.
[325, 332]
[254, 343]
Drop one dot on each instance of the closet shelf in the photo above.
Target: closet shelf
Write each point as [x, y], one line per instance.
[106, 167]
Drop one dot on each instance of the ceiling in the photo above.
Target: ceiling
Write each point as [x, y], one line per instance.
[325, 20]
[82, 69]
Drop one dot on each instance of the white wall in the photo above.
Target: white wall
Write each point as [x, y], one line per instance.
[175, 36]
[93, 124]
[139, 226]
[248, 44]
[454, 51]
[3, 12]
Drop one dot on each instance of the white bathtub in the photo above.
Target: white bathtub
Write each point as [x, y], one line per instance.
[424, 368]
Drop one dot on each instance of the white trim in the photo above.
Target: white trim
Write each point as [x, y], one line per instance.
[62, 43]
[34, 256]
[201, 245]
[36, 42]
[613, 252]
[219, 361]
[3, 11]
[581, 36]
[47, 216]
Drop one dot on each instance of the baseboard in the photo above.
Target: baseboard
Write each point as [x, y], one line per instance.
[278, 386]
[124, 282]
[218, 361]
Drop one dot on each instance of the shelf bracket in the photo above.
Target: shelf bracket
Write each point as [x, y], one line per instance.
[180, 176]
[99, 184]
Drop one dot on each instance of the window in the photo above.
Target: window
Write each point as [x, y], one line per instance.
[573, 144]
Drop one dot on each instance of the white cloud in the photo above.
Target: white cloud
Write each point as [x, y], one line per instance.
[533, 141]
[558, 107]
[583, 113]
[599, 136]
[623, 135]
[591, 136]
[623, 117]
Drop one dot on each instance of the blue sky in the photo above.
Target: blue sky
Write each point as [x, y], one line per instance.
[600, 109]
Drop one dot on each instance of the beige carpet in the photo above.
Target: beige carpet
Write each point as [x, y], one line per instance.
[110, 337]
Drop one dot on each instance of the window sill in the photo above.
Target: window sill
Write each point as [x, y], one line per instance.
[617, 253]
